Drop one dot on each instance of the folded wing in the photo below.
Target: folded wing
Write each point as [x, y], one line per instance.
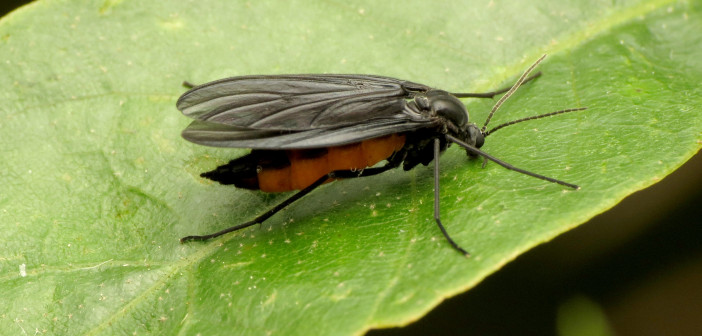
[299, 111]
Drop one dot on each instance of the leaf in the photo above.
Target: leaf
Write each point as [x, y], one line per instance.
[98, 185]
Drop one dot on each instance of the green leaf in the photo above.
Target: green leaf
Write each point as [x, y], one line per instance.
[97, 185]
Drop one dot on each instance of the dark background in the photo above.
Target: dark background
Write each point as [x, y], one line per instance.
[640, 264]
[7, 6]
[637, 268]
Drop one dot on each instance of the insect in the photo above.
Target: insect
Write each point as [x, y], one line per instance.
[306, 130]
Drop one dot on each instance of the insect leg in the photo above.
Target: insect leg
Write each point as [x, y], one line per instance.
[260, 219]
[496, 92]
[362, 173]
[476, 151]
[437, 152]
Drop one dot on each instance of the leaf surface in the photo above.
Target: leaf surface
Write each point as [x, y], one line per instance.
[97, 185]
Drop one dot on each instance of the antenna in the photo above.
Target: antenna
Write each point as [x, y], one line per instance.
[511, 91]
[532, 118]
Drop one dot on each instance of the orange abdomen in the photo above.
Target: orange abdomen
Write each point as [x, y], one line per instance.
[307, 166]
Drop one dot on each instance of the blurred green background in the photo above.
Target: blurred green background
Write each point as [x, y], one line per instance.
[634, 270]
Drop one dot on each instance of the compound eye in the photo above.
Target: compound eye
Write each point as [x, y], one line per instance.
[477, 135]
